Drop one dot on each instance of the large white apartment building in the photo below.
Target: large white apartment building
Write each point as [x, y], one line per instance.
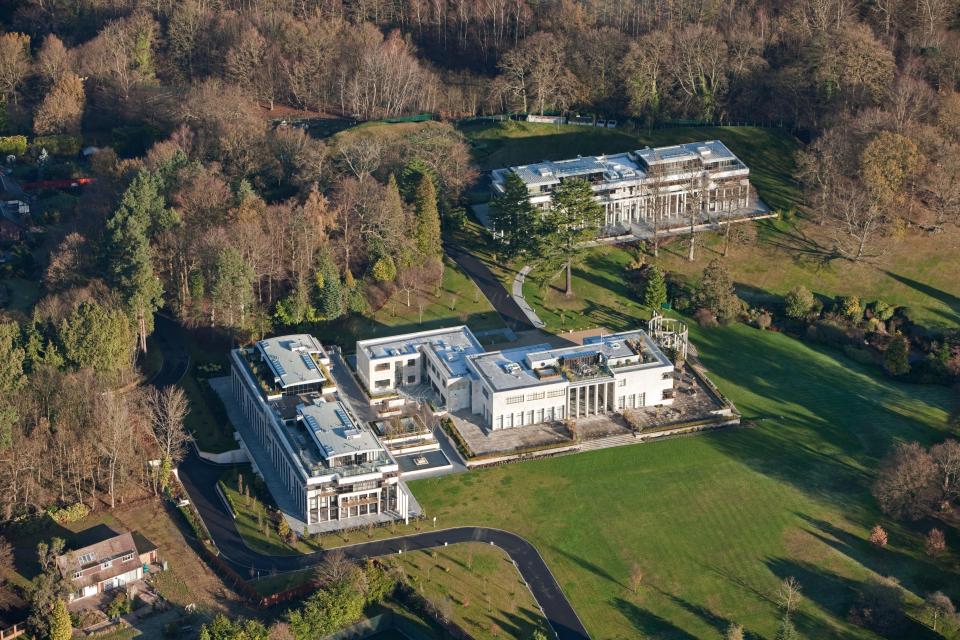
[637, 186]
[303, 437]
[522, 386]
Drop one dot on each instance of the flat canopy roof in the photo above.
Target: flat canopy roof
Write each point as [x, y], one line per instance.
[451, 346]
[290, 359]
[620, 166]
[335, 431]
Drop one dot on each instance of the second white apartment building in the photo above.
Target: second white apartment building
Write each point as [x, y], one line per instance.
[523, 386]
[666, 183]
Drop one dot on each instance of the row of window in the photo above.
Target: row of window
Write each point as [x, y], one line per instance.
[106, 564]
[514, 399]
[540, 395]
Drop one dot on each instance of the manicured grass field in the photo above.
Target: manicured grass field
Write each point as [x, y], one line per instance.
[482, 588]
[716, 521]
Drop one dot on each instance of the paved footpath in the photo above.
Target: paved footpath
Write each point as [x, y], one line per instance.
[200, 477]
[502, 301]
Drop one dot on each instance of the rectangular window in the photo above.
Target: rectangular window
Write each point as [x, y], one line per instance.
[556, 393]
[483, 390]
[411, 362]
[127, 557]
[77, 574]
[622, 382]
[86, 558]
[536, 396]
[381, 384]
[383, 366]
[514, 400]
[411, 379]
[106, 564]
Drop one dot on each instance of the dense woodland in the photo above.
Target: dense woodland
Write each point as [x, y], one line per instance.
[204, 208]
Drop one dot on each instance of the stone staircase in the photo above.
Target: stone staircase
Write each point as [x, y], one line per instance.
[609, 441]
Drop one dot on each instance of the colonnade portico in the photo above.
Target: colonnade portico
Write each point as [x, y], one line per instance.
[590, 399]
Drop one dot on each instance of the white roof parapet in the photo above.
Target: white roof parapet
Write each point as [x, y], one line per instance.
[290, 358]
[631, 166]
[449, 345]
[334, 430]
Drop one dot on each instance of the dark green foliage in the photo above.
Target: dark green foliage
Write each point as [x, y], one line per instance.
[799, 303]
[142, 214]
[786, 630]
[573, 218]
[896, 357]
[223, 628]
[231, 291]
[47, 589]
[67, 145]
[97, 337]
[427, 223]
[331, 608]
[329, 289]
[655, 292]
[716, 293]
[514, 218]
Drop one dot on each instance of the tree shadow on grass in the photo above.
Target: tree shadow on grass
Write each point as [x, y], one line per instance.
[947, 298]
[801, 247]
[596, 570]
[717, 622]
[648, 624]
[834, 594]
[819, 428]
[917, 575]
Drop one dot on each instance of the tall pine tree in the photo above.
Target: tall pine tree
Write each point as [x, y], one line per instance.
[655, 293]
[427, 224]
[142, 214]
[514, 218]
[574, 218]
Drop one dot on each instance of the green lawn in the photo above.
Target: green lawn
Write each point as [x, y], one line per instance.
[207, 420]
[717, 520]
[481, 587]
[601, 296]
[456, 301]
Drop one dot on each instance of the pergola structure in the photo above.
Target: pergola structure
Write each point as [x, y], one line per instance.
[669, 333]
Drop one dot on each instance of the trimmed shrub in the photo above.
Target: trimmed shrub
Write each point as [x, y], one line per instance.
[16, 145]
[59, 145]
[74, 513]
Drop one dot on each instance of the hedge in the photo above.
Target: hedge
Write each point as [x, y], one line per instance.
[15, 145]
[60, 145]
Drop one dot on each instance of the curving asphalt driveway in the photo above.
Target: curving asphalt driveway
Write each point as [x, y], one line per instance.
[493, 289]
[199, 477]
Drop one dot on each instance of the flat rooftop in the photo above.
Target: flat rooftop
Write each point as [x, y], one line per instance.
[508, 369]
[335, 431]
[451, 346]
[616, 346]
[514, 368]
[708, 151]
[291, 359]
[618, 167]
